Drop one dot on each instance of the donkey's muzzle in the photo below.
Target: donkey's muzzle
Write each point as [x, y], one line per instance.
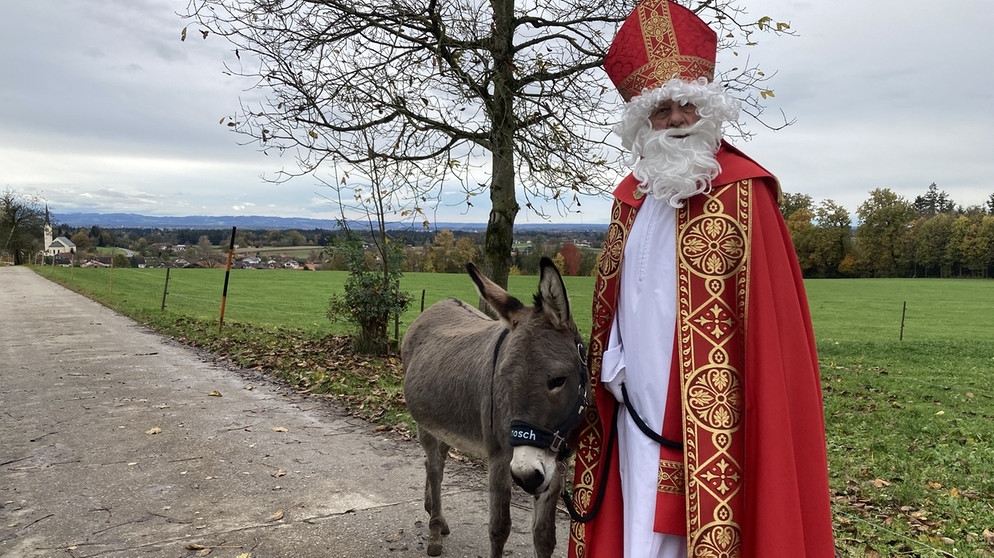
[532, 482]
[532, 468]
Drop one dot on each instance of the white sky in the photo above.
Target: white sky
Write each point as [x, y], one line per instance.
[104, 109]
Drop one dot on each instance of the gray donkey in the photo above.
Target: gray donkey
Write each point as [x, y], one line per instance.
[508, 390]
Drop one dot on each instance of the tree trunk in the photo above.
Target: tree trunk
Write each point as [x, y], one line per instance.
[504, 204]
[500, 228]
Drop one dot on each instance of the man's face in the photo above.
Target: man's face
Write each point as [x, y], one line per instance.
[671, 114]
[676, 153]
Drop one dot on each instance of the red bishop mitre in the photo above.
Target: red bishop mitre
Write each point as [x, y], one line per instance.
[659, 41]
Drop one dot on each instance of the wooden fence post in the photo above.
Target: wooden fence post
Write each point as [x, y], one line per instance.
[165, 290]
[904, 311]
[227, 272]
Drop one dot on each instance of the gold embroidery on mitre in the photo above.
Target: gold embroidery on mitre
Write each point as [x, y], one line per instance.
[657, 31]
[672, 477]
[665, 61]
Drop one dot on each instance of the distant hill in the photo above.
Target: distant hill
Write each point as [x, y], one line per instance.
[257, 222]
[134, 220]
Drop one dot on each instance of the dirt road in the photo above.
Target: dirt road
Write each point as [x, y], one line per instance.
[118, 442]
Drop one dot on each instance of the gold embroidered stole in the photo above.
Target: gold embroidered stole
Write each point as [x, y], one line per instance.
[713, 252]
[712, 232]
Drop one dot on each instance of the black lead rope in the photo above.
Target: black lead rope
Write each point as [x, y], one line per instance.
[599, 497]
[652, 434]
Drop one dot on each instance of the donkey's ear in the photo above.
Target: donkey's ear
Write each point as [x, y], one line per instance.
[551, 296]
[507, 307]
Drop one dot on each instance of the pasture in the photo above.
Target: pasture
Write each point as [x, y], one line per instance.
[277, 298]
[909, 421]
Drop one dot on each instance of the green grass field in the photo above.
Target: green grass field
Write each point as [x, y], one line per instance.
[910, 422]
[279, 298]
[910, 437]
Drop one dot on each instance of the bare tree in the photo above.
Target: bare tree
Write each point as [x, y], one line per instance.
[492, 97]
[372, 291]
[22, 223]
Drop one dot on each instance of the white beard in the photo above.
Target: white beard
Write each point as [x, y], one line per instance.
[673, 168]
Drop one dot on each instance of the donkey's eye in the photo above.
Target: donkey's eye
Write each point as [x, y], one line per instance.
[557, 383]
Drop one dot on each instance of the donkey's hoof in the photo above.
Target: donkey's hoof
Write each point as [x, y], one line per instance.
[444, 528]
[434, 548]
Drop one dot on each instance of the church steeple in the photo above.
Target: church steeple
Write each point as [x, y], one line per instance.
[48, 234]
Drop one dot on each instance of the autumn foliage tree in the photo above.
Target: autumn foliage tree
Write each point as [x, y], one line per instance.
[571, 259]
[880, 236]
[449, 254]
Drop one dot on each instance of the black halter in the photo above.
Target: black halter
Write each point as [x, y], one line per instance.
[526, 434]
[493, 371]
[523, 433]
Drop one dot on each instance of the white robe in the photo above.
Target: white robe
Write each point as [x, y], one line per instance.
[646, 322]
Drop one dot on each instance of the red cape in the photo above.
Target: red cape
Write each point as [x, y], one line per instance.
[776, 496]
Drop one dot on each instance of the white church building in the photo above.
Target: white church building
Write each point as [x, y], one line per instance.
[60, 245]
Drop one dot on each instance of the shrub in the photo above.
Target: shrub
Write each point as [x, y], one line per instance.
[372, 294]
[120, 260]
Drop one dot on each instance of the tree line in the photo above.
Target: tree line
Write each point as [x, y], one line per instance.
[448, 251]
[929, 236]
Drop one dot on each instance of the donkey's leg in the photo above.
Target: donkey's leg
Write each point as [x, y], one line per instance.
[499, 468]
[435, 453]
[544, 517]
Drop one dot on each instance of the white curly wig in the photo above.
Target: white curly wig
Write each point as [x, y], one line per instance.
[711, 100]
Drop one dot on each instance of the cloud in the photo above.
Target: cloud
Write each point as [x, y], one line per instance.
[105, 109]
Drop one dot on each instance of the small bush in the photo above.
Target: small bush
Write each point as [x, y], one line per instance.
[372, 297]
[121, 261]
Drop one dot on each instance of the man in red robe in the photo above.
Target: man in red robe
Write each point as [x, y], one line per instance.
[706, 437]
